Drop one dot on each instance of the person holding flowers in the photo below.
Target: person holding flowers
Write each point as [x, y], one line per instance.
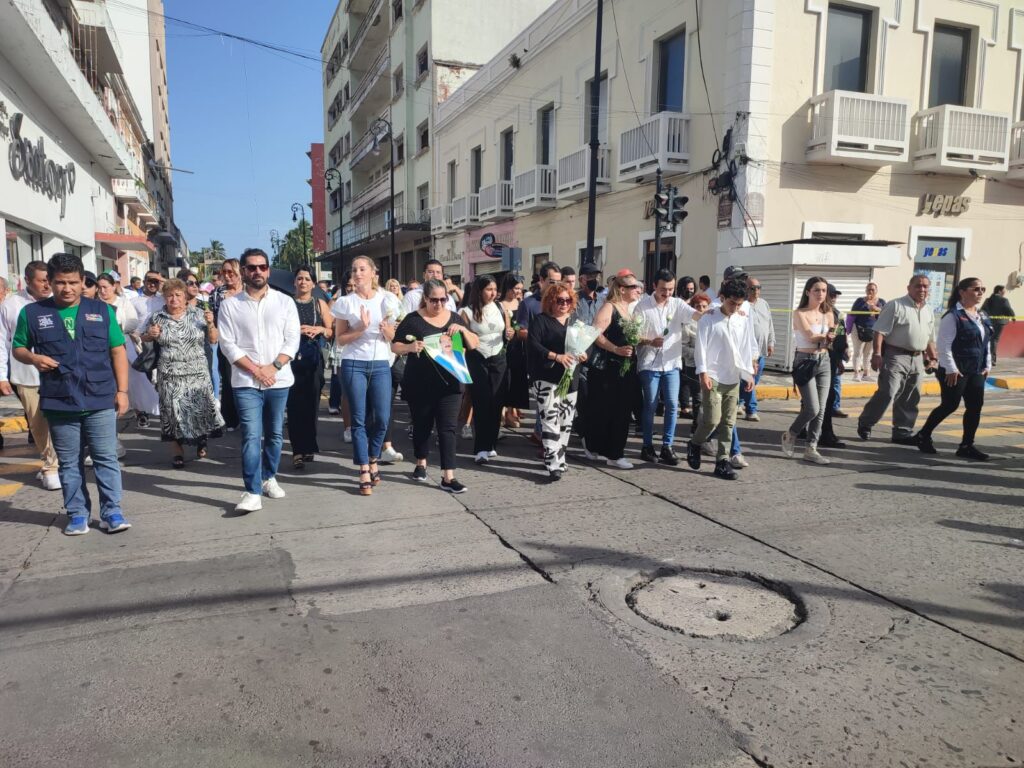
[548, 362]
[659, 359]
[611, 378]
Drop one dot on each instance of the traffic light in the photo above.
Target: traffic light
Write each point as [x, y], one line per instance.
[661, 204]
[676, 208]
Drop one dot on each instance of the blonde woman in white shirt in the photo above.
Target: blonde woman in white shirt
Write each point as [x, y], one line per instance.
[814, 328]
[487, 364]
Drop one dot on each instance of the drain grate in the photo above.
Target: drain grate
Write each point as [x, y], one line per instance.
[713, 604]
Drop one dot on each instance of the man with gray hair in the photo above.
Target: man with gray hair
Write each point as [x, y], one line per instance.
[764, 335]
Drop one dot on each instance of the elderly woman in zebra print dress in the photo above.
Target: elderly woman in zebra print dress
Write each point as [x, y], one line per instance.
[188, 409]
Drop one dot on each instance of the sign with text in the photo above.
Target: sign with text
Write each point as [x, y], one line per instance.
[28, 161]
[945, 205]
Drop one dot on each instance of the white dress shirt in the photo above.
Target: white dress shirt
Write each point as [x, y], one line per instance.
[665, 322]
[412, 300]
[15, 372]
[726, 347]
[260, 330]
[146, 306]
[947, 334]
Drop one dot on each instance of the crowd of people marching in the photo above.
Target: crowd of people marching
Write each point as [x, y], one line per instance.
[596, 358]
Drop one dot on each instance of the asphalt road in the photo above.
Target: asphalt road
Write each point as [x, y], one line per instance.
[414, 628]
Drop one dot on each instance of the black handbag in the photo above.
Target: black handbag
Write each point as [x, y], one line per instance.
[804, 370]
[864, 333]
[148, 358]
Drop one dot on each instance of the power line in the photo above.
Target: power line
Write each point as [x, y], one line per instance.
[700, 59]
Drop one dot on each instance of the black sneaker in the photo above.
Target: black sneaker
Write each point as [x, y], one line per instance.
[837, 414]
[970, 452]
[864, 433]
[724, 470]
[419, 474]
[830, 442]
[905, 439]
[555, 475]
[452, 486]
[925, 444]
[668, 456]
[693, 455]
[647, 454]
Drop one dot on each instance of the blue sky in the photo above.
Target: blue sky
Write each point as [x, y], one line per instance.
[242, 118]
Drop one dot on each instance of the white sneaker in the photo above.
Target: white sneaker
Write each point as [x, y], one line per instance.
[753, 416]
[467, 432]
[272, 490]
[347, 435]
[120, 450]
[738, 462]
[481, 457]
[592, 456]
[333, 411]
[250, 503]
[389, 455]
[857, 376]
[788, 443]
[88, 460]
[812, 455]
[492, 454]
[50, 481]
[620, 464]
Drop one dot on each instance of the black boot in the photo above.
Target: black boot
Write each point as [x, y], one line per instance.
[668, 456]
[724, 470]
[970, 452]
[693, 455]
[647, 454]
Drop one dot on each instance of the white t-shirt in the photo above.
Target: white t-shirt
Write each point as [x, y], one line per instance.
[667, 322]
[370, 344]
[412, 300]
[491, 330]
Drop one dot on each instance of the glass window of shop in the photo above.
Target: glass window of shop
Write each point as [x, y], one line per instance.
[23, 246]
[74, 250]
[939, 260]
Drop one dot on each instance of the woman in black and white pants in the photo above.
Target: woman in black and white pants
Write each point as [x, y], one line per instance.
[547, 362]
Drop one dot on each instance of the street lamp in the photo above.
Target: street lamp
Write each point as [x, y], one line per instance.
[298, 208]
[334, 173]
[382, 128]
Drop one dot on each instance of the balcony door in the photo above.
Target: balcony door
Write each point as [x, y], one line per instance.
[847, 49]
[671, 61]
[951, 48]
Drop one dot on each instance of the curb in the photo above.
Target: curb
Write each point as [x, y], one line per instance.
[858, 390]
[9, 424]
[1008, 382]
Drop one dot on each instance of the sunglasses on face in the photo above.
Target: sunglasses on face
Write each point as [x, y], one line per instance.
[153, 281]
[563, 301]
[257, 268]
[439, 300]
[632, 287]
[191, 282]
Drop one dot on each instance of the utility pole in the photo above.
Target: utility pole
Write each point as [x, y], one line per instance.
[661, 211]
[595, 144]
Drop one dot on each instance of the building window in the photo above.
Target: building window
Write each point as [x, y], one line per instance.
[671, 60]
[545, 134]
[398, 82]
[335, 154]
[950, 51]
[335, 200]
[344, 44]
[847, 49]
[348, 145]
[476, 169]
[598, 256]
[453, 177]
[602, 109]
[507, 147]
[423, 199]
[422, 63]
[396, 11]
[423, 137]
[400, 150]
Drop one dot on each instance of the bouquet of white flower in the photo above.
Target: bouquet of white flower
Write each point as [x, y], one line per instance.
[631, 327]
[578, 338]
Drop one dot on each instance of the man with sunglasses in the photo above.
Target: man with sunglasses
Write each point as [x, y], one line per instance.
[764, 335]
[259, 336]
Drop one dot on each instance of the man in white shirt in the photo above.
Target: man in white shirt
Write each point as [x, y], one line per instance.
[725, 356]
[433, 270]
[25, 378]
[151, 299]
[259, 336]
[659, 361]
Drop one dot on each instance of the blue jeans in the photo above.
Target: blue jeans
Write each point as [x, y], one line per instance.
[98, 433]
[261, 416]
[368, 389]
[749, 399]
[667, 383]
[215, 372]
[837, 386]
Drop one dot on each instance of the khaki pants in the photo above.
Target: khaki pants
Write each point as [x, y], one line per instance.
[717, 416]
[899, 383]
[29, 397]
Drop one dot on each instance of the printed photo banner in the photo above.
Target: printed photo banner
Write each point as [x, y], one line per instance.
[449, 353]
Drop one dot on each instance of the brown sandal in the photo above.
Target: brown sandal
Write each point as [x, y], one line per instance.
[365, 486]
[374, 473]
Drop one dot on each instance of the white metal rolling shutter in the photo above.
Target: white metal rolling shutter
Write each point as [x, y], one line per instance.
[487, 267]
[777, 290]
[850, 281]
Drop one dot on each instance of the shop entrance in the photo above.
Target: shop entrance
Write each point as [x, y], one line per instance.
[653, 262]
[939, 259]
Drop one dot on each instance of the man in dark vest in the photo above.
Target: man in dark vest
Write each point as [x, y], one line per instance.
[78, 348]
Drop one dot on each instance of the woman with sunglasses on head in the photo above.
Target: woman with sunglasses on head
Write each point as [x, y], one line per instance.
[965, 358]
[231, 274]
[365, 327]
[432, 392]
[611, 379]
[307, 368]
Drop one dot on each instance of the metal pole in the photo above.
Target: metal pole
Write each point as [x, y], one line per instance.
[595, 145]
[391, 220]
[305, 234]
[657, 224]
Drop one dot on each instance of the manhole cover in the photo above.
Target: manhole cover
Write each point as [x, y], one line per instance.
[707, 604]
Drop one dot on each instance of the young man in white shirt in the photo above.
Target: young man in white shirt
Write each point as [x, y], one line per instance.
[25, 378]
[432, 270]
[725, 356]
[660, 359]
[259, 336]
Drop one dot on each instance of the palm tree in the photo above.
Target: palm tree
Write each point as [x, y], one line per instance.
[217, 250]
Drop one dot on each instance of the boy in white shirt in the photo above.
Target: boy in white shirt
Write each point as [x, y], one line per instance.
[725, 355]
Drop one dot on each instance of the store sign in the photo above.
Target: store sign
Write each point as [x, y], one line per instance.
[29, 162]
[945, 205]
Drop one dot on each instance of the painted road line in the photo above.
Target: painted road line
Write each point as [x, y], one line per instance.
[21, 468]
[9, 489]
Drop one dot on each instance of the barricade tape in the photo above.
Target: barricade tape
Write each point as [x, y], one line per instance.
[861, 312]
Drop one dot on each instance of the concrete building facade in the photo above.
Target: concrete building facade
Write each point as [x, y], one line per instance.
[874, 139]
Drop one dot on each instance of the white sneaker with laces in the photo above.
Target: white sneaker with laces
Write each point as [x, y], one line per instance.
[481, 457]
[620, 464]
[788, 443]
[467, 432]
[272, 490]
[50, 481]
[753, 416]
[347, 435]
[492, 454]
[389, 455]
[812, 455]
[250, 503]
[738, 462]
[857, 376]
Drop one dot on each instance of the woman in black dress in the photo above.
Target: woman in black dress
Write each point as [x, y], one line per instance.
[432, 393]
[515, 390]
[308, 368]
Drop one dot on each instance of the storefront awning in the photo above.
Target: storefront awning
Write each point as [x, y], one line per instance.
[835, 253]
[125, 242]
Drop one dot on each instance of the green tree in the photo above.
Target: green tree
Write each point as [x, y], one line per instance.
[296, 247]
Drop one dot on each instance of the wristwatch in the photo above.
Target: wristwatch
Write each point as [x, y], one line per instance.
[278, 364]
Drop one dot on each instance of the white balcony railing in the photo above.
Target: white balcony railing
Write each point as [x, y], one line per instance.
[496, 201]
[441, 219]
[859, 129]
[574, 174]
[952, 139]
[465, 211]
[534, 189]
[661, 141]
[1017, 151]
[371, 194]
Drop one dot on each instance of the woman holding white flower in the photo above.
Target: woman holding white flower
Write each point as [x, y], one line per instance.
[547, 362]
[611, 379]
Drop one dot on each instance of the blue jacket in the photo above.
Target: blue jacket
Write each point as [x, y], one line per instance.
[970, 346]
[84, 380]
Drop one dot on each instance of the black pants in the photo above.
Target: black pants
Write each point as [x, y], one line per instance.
[485, 391]
[689, 388]
[303, 407]
[997, 331]
[970, 389]
[610, 400]
[443, 414]
[227, 394]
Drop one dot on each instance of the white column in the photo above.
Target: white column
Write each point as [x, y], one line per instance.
[6, 268]
[51, 244]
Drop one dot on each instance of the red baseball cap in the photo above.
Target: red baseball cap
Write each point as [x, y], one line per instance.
[625, 273]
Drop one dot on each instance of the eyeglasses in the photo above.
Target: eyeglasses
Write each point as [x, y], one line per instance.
[438, 300]
[257, 268]
[563, 301]
[191, 282]
[753, 287]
